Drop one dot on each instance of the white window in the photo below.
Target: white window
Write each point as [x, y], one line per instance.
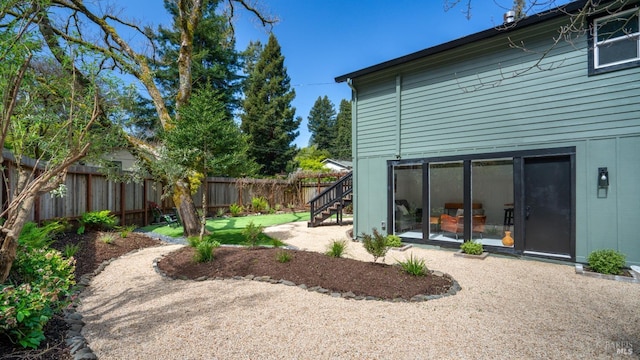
[617, 39]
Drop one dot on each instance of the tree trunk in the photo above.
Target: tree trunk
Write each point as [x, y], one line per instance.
[186, 208]
[9, 236]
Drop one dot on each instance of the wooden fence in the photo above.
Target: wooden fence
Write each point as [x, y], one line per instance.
[89, 190]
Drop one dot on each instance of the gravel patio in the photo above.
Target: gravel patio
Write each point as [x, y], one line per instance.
[508, 308]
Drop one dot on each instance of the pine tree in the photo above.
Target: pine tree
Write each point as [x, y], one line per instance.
[322, 124]
[342, 142]
[268, 118]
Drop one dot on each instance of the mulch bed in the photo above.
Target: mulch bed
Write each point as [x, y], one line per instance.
[310, 268]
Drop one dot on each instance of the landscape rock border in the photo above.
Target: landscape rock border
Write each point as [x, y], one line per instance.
[77, 343]
[455, 287]
[634, 279]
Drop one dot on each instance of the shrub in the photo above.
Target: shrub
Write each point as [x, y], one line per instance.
[259, 204]
[606, 261]
[471, 248]
[394, 241]
[220, 212]
[70, 250]
[375, 245]
[39, 286]
[39, 237]
[413, 266]
[96, 220]
[108, 238]
[337, 248]
[252, 232]
[283, 256]
[235, 210]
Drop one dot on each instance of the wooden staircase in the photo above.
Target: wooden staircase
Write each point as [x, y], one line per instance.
[332, 200]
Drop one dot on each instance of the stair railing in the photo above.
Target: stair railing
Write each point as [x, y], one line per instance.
[331, 195]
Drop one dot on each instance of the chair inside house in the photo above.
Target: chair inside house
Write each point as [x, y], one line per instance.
[407, 218]
[453, 219]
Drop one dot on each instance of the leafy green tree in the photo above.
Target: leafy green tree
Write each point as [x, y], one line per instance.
[342, 141]
[268, 117]
[206, 138]
[322, 124]
[310, 158]
[45, 115]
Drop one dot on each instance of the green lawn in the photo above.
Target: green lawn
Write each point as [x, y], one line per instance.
[229, 230]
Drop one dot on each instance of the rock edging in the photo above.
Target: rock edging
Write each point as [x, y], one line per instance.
[74, 339]
[634, 279]
[455, 287]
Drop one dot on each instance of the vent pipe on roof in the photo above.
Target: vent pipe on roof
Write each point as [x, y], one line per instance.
[509, 17]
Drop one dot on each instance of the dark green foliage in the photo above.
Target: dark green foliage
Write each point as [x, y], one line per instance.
[472, 248]
[39, 237]
[342, 142]
[252, 233]
[337, 248]
[39, 286]
[322, 124]
[375, 245]
[96, 220]
[607, 261]
[414, 266]
[268, 118]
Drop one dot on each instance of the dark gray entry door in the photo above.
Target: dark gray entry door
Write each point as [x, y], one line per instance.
[547, 206]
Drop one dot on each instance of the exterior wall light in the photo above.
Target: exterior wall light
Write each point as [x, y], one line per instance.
[603, 177]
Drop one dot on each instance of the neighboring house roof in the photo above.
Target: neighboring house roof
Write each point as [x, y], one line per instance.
[345, 164]
[502, 29]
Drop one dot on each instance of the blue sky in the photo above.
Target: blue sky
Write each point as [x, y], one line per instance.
[322, 39]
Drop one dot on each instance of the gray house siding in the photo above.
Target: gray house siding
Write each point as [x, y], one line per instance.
[488, 97]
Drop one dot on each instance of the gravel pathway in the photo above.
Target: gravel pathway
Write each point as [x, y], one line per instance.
[508, 309]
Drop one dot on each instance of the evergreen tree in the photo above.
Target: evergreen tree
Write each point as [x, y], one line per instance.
[342, 143]
[268, 118]
[322, 124]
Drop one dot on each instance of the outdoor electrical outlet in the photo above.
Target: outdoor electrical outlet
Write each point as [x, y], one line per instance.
[383, 225]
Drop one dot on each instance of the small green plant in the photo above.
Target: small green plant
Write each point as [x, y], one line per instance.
[291, 207]
[394, 241]
[252, 233]
[259, 204]
[220, 212]
[337, 248]
[107, 238]
[126, 230]
[70, 250]
[375, 245]
[472, 248]
[204, 250]
[278, 207]
[606, 261]
[235, 210]
[283, 256]
[96, 220]
[414, 266]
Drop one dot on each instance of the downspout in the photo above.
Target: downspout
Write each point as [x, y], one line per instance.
[354, 152]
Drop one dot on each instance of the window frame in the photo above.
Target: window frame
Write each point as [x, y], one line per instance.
[594, 44]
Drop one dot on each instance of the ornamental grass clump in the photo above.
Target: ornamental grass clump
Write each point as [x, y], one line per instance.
[204, 249]
[414, 266]
[337, 248]
[607, 261]
[375, 245]
[471, 248]
[283, 256]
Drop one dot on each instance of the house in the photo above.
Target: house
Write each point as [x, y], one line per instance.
[541, 139]
[337, 165]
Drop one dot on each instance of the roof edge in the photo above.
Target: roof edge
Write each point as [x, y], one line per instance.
[485, 34]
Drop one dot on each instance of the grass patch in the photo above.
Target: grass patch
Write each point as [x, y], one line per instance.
[229, 230]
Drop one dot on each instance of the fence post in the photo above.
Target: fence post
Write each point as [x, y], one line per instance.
[144, 202]
[122, 203]
[89, 192]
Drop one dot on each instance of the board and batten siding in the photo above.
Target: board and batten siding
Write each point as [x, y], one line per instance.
[488, 97]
